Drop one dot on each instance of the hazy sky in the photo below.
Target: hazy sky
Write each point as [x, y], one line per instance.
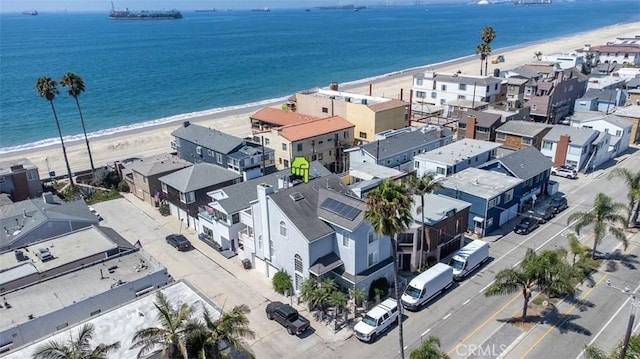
[105, 5]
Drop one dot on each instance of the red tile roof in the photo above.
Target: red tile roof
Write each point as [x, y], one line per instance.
[313, 128]
[279, 117]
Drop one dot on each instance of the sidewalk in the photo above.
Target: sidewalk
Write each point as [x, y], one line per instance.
[259, 283]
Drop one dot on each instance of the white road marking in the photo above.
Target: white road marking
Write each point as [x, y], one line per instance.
[466, 301]
[487, 286]
[425, 332]
[446, 316]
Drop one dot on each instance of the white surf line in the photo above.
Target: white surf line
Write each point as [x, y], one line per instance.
[466, 301]
[609, 322]
[446, 316]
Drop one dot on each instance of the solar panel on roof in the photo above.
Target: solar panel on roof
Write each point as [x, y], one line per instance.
[341, 209]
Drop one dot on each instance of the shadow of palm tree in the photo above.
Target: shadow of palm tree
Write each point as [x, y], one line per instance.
[550, 316]
[619, 258]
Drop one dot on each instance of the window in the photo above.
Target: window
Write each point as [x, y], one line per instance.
[372, 258]
[266, 141]
[189, 197]
[534, 107]
[462, 97]
[443, 87]
[320, 156]
[547, 145]
[416, 164]
[493, 202]
[345, 239]
[164, 187]
[209, 153]
[508, 196]
[462, 125]
[284, 146]
[421, 94]
[272, 250]
[32, 175]
[297, 263]
[145, 179]
[299, 147]
[325, 110]
[346, 135]
[419, 82]
[462, 87]
[434, 95]
[527, 141]
[286, 163]
[441, 171]
[219, 157]
[260, 242]
[283, 229]
[443, 101]
[618, 133]
[363, 135]
[483, 129]
[235, 218]
[501, 136]
[372, 237]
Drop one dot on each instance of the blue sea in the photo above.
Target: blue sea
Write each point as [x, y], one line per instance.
[140, 73]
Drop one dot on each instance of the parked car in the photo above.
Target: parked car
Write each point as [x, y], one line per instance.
[559, 204]
[377, 320]
[566, 172]
[426, 286]
[544, 213]
[288, 317]
[179, 242]
[527, 225]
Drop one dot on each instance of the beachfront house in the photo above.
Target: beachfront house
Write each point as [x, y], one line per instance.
[369, 114]
[396, 149]
[219, 220]
[494, 197]
[631, 113]
[20, 179]
[315, 230]
[322, 139]
[621, 51]
[565, 60]
[143, 176]
[555, 96]
[434, 88]
[517, 135]
[479, 125]
[185, 191]
[198, 144]
[582, 148]
[618, 127]
[455, 157]
[269, 117]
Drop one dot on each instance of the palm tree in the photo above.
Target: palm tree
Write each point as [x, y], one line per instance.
[483, 50]
[389, 212]
[75, 84]
[420, 187]
[357, 295]
[48, 89]
[632, 180]
[80, 348]
[205, 338]
[429, 349]
[488, 34]
[533, 272]
[537, 55]
[604, 217]
[172, 333]
[633, 350]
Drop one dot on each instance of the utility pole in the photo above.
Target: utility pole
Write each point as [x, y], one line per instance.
[635, 303]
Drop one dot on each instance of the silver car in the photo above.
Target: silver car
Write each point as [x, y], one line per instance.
[564, 172]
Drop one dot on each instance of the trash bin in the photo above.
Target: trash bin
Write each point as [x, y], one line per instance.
[246, 263]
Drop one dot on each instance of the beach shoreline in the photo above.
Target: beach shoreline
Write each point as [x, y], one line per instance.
[156, 138]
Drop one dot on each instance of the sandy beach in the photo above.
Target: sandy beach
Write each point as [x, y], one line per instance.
[155, 140]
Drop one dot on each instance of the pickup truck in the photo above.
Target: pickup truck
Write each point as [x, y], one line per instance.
[288, 317]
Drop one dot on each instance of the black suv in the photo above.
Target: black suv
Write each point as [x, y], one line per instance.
[559, 204]
[527, 225]
[544, 214]
[179, 242]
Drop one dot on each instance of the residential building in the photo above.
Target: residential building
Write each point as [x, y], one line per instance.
[20, 179]
[445, 221]
[143, 176]
[86, 272]
[455, 157]
[396, 149]
[441, 88]
[186, 190]
[631, 113]
[521, 114]
[565, 60]
[322, 139]
[515, 92]
[316, 230]
[492, 197]
[605, 82]
[479, 125]
[198, 144]
[601, 100]
[369, 114]
[555, 97]
[517, 135]
[544, 69]
[618, 127]
[582, 148]
[364, 177]
[35, 219]
[623, 52]
[269, 117]
[219, 220]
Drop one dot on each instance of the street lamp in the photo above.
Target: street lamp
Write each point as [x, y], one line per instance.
[635, 303]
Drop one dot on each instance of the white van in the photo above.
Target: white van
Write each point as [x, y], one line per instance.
[468, 258]
[427, 285]
[377, 320]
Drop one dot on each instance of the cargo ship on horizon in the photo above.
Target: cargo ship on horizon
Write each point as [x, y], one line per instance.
[532, 2]
[30, 12]
[143, 14]
[343, 7]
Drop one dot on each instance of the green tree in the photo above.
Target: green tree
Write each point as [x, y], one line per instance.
[557, 274]
[309, 292]
[47, 88]
[604, 217]
[79, 348]
[357, 295]
[532, 273]
[488, 34]
[172, 333]
[632, 180]
[580, 258]
[75, 84]
[429, 349]
[338, 300]
[420, 187]
[205, 337]
[633, 351]
[281, 282]
[537, 55]
[484, 50]
[388, 209]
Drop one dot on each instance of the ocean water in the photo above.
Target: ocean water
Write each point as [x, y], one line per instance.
[138, 73]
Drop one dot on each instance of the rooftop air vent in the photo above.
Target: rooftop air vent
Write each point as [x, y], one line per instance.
[296, 196]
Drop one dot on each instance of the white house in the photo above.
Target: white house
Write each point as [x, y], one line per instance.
[455, 157]
[565, 60]
[617, 127]
[583, 148]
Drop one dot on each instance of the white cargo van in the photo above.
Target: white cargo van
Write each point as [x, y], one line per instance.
[427, 285]
[468, 258]
[377, 320]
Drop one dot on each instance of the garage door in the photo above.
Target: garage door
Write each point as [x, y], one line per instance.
[509, 214]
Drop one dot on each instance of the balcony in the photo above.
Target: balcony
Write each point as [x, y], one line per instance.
[246, 234]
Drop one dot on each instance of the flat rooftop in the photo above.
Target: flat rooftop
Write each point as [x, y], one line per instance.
[121, 323]
[349, 97]
[437, 208]
[56, 293]
[480, 183]
[458, 151]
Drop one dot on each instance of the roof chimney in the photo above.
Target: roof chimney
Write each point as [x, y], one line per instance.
[471, 127]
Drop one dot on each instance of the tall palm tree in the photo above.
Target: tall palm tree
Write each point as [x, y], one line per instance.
[488, 34]
[533, 272]
[75, 84]
[48, 89]
[420, 187]
[537, 55]
[429, 349]
[389, 212]
[80, 348]
[483, 50]
[604, 217]
[205, 338]
[172, 333]
[632, 180]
